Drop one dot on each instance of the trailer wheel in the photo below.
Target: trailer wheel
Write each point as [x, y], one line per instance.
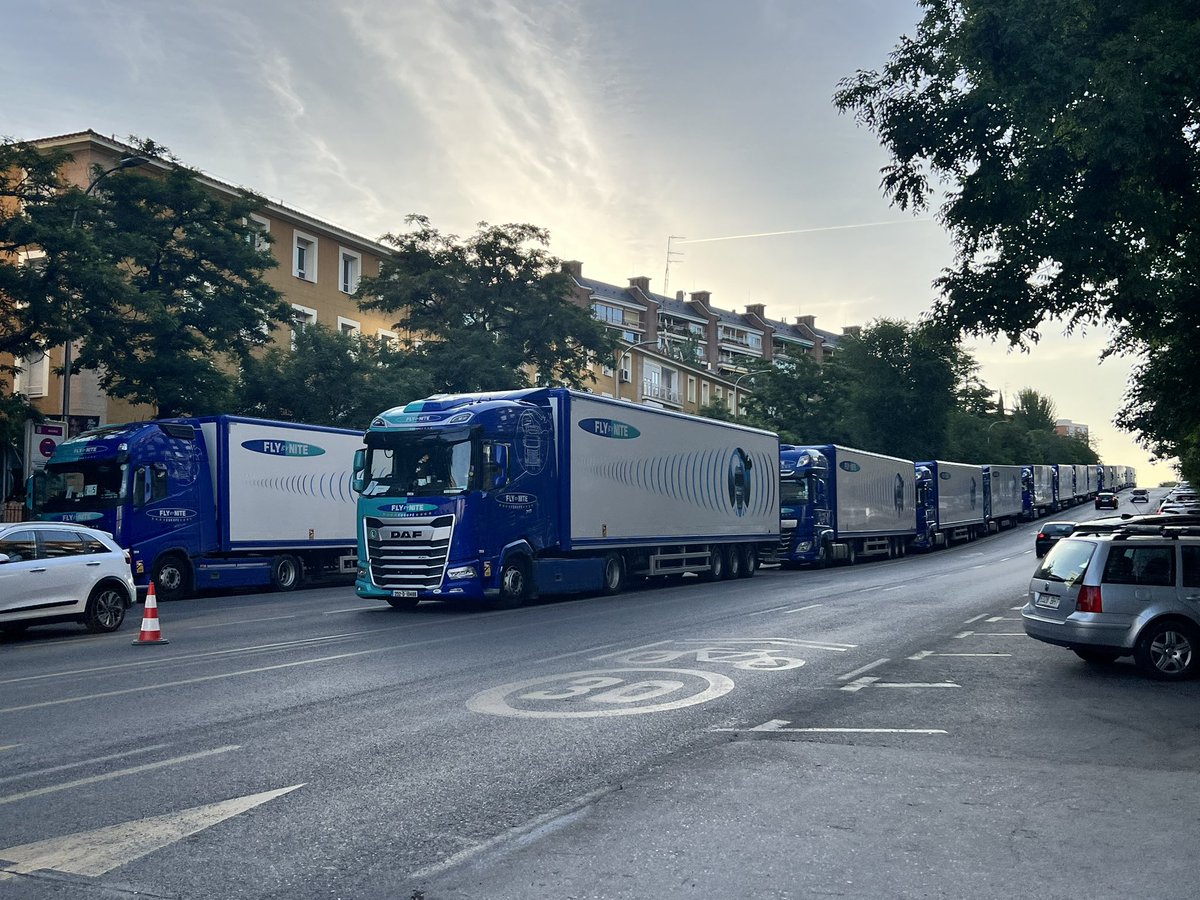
[851, 553]
[614, 573]
[733, 562]
[514, 583]
[749, 562]
[286, 573]
[172, 577]
[716, 565]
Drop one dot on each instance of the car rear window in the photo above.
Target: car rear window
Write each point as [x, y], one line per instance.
[1066, 561]
[1140, 565]
[1054, 530]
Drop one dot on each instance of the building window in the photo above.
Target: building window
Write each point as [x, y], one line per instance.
[350, 270]
[304, 257]
[691, 394]
[302, 317]
[34, 378]
[260, 228]
[704, 394]
[348, 326]
[387, 338]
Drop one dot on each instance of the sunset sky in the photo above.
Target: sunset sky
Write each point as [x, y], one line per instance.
[613, 123]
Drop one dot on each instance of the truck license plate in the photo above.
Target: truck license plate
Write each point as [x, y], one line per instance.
[414, 593]
[1045, 601]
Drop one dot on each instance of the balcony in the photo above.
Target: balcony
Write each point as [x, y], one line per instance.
[654, 390]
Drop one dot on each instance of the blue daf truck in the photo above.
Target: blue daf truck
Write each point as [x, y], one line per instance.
[506, 496]
[217, 501]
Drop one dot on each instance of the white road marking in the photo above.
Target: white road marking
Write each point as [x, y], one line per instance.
[1000, 634]
[816, 730]
[9, 746]
[87, 762]
[975, 618]
[763, 612]
[108, 776]
[868, 667]
[898, 587]
[979, 567]
[773, 725]
[93, 853]
[858, 684]
[972, 654]
[803, 608]
[630, 650]
[922, 654]
[1003, 619]
[963, 634]
[916, 684]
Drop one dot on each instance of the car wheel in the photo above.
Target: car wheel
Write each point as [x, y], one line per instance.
[286, 573]
[1167, 650]
[105, 609]
[171, 577]
[1100, 657]
[514, 584]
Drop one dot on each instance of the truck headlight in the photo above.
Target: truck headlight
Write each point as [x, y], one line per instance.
[461, 572]
[804, 546]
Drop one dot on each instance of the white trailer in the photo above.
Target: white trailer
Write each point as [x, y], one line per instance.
[950, 503]
[1002, 496]
[1038, 491]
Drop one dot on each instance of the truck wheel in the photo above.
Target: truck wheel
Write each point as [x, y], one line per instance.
[749, 565]
[614, 573]
[851, 553]
[514, 584]
[733, 562]
[716, 565]
[172, 577]
[105, 609]
[286, 573]
[823, 556]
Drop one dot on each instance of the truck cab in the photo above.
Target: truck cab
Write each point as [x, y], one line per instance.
[806, 519]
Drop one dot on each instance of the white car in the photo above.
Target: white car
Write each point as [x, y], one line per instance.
[58, 572]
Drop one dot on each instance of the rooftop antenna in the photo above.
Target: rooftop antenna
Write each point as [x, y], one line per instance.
[670, 255]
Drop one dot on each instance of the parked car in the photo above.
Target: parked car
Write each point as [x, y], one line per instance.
[58, 572]
[1139, 495]
[1050, 534]
[1106, 500]
[1133, 591]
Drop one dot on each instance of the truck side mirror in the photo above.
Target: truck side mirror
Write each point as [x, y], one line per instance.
[358, 483]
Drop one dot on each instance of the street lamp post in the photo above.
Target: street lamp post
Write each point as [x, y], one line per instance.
[736, 382]
[127, 162]
[989, 430]
[620, 355]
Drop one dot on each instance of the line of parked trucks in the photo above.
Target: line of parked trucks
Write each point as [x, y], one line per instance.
[509, 495]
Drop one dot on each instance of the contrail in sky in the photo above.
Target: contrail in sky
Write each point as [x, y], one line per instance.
[738, 237]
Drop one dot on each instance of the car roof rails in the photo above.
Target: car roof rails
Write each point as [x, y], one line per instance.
[1155, 521]
[1165, 530]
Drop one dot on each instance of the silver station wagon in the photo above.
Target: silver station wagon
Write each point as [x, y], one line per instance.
[1134, 591]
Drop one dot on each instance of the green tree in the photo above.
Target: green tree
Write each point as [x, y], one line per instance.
[795, 398]
[183, 302]
[897, 382]
[1064, 134]
[1034, 411]
[329, 378]
[489, 312]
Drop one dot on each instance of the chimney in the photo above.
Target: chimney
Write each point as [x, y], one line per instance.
[702, 297]
[852, 330]
[757, 309]
[807, 321]
[681, 296]
[573, 267]
[641, 282]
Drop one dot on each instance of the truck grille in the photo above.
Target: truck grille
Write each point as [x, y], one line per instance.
[409, 553]
[785, 541]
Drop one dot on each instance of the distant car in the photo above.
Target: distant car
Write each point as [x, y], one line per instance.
[1050, 534]
[1139, 495]
[58, 572]
[1129, 592]
[1106, 500]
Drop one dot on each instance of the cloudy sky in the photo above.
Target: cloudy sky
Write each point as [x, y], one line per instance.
[613, 123]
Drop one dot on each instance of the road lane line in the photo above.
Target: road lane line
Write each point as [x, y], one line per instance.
[867, 668]
[964, 634]
[858, 684]
[972, 654]
[763, 612]
[817, 730]
[803, 608]
[975, 618]
[898, 587]
[916, 684]
[120, 773]
[629, 650]
[1000, 634]
[87, 762]
[922, 654]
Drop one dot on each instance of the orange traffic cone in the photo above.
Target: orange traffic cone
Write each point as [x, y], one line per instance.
[150, 633]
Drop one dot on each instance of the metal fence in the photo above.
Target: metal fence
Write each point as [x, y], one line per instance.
[13, 512]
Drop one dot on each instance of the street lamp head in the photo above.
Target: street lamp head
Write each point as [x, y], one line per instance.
[129, 162]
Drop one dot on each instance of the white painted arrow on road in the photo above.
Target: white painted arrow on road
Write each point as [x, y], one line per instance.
[93, 853]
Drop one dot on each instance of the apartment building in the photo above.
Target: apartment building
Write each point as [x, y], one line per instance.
[319, 267]
[683, 352]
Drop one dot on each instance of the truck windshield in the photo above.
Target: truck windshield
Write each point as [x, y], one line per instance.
[412, 466]
[794, 491]
[79, 486]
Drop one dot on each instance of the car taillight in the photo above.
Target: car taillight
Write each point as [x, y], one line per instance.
[1041, 536]
[1089, 600]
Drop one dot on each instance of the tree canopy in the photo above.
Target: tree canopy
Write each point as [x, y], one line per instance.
[1064, 134]
[489, 312]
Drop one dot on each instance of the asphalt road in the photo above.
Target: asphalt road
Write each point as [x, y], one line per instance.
[885, 730]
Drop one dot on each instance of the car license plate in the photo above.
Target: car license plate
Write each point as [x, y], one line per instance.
[414, 593]
[1045, 601]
